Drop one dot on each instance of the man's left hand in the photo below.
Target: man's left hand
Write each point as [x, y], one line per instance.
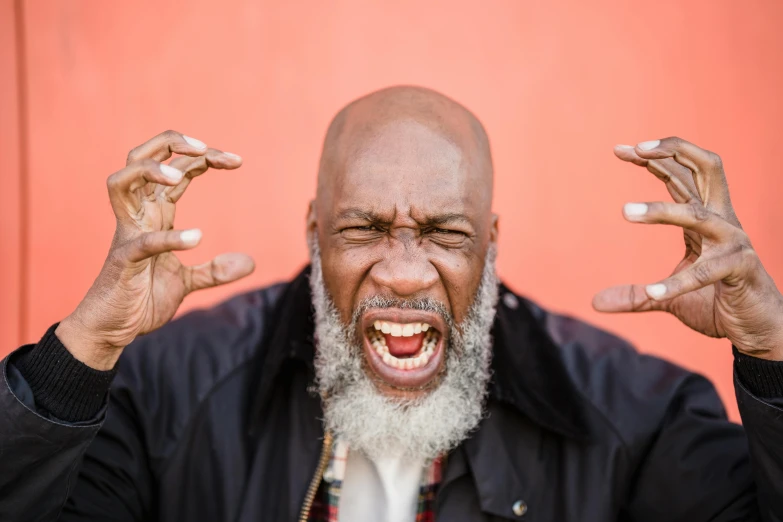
[720, 288]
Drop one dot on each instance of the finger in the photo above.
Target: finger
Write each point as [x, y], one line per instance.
[123, 184]
[706, 168]
[225, 268]
[691, 216]
[678, 179]
[194, 167]
[162, 146]
[700, 274]
[155, 243]
[628, 153]
[625, 298]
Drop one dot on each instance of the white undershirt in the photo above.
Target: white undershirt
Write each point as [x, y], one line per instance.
[386, 489]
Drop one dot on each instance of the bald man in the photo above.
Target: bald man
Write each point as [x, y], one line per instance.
[395, 379]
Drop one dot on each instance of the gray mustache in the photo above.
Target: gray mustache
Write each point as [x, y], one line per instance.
[424, 304]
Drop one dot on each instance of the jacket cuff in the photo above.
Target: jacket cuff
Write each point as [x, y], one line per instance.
[63, 386]
[761, 377]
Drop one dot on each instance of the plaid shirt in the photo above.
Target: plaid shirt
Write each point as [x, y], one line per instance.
[327, 499]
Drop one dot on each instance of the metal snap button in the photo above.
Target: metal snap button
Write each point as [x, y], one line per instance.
[519, 508]
[510, 300]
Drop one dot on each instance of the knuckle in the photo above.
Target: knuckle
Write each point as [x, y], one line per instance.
[713, 160]
[748, 256]
[133, 156]
[744, 240]
[171, 135]
[113, 182]
[699, 213]
[675, 141]
[701, 273]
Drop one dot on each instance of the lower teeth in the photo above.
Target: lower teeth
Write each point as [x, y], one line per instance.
[428, 348]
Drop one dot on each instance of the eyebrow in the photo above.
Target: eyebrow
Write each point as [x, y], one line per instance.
[357, 213]
[445, 219]
[433, 220]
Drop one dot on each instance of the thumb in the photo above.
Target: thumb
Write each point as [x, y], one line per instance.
[223, 269]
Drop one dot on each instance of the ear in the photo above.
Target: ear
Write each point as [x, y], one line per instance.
[311, 227]
[494, 231]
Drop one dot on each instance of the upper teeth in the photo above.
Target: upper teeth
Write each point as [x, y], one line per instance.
[400, 330]
[425, 353]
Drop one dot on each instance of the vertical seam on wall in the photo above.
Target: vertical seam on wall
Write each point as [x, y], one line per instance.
[24, 188]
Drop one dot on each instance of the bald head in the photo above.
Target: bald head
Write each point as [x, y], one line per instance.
[357, 128]
[404, 202]
[402, 231]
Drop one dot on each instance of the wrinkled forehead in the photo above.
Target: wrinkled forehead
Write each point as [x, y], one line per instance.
[409, 165]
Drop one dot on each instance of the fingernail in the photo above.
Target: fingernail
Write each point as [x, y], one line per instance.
[191, 237]
[233, 156]
[649, 145]
[170, 172]
[624, 147]
[193, 142]
[635, 209]
[656, 291]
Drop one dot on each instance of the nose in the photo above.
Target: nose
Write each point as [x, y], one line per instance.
[405, 270]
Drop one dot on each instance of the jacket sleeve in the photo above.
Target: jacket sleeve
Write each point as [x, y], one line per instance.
[701, 467]
[696, 468]
[759, 388]
[56, 460]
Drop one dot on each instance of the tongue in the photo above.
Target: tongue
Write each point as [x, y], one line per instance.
[404, 346]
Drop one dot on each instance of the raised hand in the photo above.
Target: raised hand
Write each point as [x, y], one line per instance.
[719, 288]
[142, 283]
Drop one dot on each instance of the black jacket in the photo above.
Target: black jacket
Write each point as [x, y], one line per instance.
[210, 419]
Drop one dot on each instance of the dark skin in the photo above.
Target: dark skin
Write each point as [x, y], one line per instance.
[142, 282]
[404, 209]
[719, 288]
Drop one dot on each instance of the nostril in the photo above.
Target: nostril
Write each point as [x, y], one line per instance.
[404, 279]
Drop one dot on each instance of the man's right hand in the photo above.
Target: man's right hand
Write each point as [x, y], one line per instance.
[142, 283]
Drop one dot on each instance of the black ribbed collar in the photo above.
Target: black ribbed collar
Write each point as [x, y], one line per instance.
[528, 372]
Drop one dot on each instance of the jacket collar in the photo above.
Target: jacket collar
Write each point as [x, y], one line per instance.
[528, 371]
[291, 340]
[530, 374]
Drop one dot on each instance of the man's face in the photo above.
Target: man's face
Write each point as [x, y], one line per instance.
[405, 216]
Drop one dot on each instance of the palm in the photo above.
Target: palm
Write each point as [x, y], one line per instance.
[695, 309]
[157, 283]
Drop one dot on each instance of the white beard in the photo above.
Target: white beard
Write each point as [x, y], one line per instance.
[358, 413]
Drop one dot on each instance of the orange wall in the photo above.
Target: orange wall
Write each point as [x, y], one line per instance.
[11, 200]
[556, 83]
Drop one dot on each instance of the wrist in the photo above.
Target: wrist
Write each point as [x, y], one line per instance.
[768, 347]
[767, 355]
[764, 338]
[85, 346]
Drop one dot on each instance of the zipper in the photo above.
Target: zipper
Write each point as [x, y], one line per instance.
[323, 460]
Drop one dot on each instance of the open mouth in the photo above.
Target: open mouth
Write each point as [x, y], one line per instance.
[414, 351]
[404, 348]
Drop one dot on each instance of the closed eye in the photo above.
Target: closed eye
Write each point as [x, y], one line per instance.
[362, 233]
[446, 231]
[447, 237]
